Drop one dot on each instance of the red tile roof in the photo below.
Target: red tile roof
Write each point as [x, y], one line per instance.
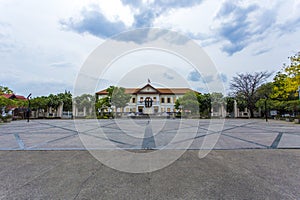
[160, 90]
[13, 96]
[8, 96]
[20, 97]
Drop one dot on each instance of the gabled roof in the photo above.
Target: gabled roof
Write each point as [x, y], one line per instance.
[154, 90]
[8, 96]
[158, 90]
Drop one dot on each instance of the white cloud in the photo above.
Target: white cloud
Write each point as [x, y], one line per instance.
[32, 41]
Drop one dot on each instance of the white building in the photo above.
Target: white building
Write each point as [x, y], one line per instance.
[150, 100]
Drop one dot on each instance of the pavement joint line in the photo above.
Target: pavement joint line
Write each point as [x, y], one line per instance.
[196, 137]
[67, 129]
[107, 138]
[19, 141]
[275, 143]
[50, 141]
[246, 140]
[238, 126]
[290, 133]
[263, 129]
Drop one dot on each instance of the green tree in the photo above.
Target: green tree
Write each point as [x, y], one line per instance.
[85, 101]
[119, 98]
[102, 104]
[53, 101]
[287, 80]
[5, 90]
[189, 102]
[6, 103]
[204, 101]
[110, 90]
[229, 104]
[38, 103]
[66, 98]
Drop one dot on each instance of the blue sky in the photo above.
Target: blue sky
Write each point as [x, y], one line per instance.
[44, 44]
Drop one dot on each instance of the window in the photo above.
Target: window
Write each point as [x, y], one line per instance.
[133, 100]
[163, 100]
[141, 99]
[154, 98]
[168, 100]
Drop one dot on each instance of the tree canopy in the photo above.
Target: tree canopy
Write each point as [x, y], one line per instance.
[5, 90]
[244, 86]
[287, 80]
[118, 97]
[188, 102]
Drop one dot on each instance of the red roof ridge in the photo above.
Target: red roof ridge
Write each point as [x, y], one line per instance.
[177, 90]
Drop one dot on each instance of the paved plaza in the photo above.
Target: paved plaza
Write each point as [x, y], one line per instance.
[148, 134]
[251, 159]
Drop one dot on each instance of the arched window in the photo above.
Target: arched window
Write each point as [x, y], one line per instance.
[148, 102]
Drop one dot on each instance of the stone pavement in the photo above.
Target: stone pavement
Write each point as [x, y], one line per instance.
[145, 134]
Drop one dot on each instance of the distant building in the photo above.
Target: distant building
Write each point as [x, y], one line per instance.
[150, 100]
[13, 96]
[16, 112]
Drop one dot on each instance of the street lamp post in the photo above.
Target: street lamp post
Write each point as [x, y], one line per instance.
[28, 109]
[299, 91]
[266, 110]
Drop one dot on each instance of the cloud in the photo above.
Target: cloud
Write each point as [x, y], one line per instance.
[242, 25]
[290, 25]
[94, 22]
[168, 76]
[40, 88]
[222, 77]
[202, 90]
[194, 76]
[262, 51]
[7, 43]
[149, 11]
[235, 26]
[61, 64]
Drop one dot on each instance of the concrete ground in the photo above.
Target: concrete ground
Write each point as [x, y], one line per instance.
[251, 159]
[223, 174]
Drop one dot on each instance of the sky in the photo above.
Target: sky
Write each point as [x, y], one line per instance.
[44, 44]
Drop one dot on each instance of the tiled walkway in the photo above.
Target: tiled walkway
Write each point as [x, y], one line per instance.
[148, 134]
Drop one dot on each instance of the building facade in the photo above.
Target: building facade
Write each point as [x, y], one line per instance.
[150, 100]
